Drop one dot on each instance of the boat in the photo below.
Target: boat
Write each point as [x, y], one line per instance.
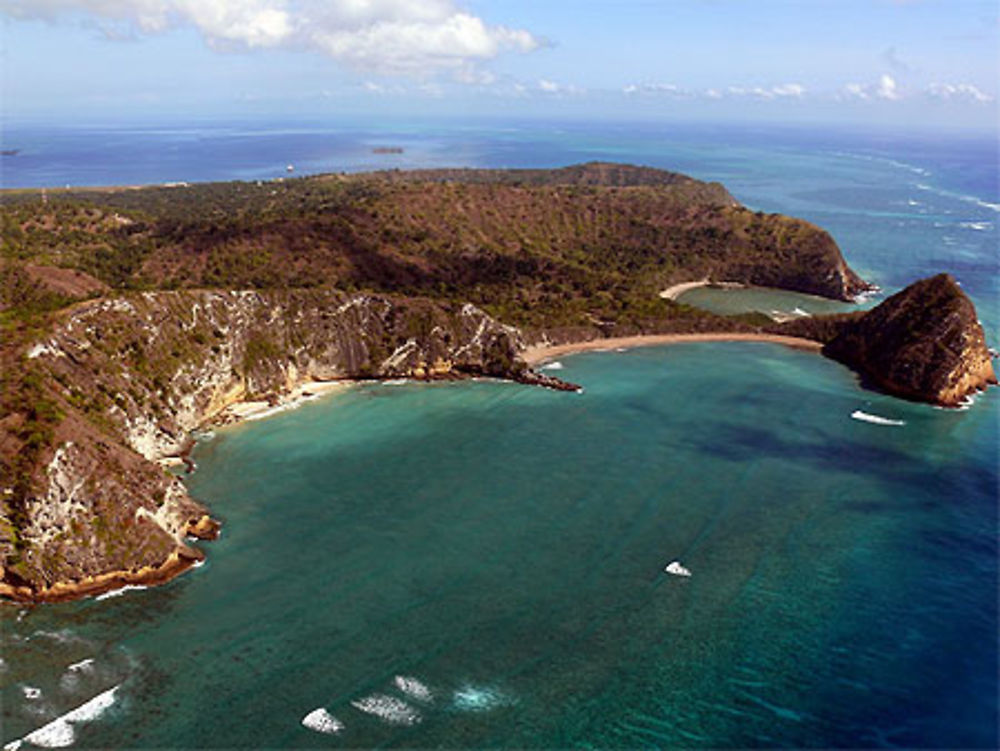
[10, 152]
[675, 568]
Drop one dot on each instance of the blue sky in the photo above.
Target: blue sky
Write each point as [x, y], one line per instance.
[869, 61]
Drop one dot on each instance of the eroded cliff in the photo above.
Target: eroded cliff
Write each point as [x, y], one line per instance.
[129, 377]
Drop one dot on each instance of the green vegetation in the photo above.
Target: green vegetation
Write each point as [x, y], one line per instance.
[533, 247]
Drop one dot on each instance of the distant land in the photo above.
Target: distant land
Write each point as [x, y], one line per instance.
[133, 317]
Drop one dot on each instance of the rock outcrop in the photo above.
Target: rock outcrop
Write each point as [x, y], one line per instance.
[132, 376]
[924, 343]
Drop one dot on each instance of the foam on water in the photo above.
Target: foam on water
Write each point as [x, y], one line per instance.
[978, 226]
[120, 591]
[478, 699]
[322, 722]
[413, 688]
[87, 664]
[677, 569]
[60, 732]
[388, 708]
[875, 419]
[63, 636]
[552, 366]
[975, 200]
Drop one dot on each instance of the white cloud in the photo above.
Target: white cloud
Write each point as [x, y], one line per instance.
[388, 36]
[961, 91]
[887, 88]
[551, 87]
[668, 89]
[855, 91]
[787, 90]
[795, 90]
[784, 91]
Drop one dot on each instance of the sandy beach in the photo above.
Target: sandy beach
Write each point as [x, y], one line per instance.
[675, 291]
[539, 353]
[258, 410]
[672, 293]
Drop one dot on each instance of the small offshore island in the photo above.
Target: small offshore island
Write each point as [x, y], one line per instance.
[133, 317]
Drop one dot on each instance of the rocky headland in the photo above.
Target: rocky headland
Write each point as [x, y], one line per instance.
[923, 343]
[204, 297]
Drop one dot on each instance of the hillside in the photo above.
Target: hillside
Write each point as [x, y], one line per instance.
[532, 247]
[132, 317]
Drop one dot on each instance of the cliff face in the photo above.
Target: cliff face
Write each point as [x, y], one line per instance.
[924, 343]
[132, 376]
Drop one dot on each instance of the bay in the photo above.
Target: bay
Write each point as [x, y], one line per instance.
[481, 564]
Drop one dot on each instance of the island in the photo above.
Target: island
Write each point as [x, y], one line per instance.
[132, 318]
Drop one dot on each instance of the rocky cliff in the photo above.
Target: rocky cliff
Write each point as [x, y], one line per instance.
[923, 343]
[129, 377]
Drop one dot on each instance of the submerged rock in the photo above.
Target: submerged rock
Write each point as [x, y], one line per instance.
[923, 343]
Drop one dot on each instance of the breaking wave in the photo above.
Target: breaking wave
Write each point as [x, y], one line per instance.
[478, 699]
[388, 708]
[413, 688]
[322, 722]
[120, 591]
[552, 366]
[875, 419]
[60, 732]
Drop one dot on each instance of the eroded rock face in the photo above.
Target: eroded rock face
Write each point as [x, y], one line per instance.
[924, 343]
[134, 375]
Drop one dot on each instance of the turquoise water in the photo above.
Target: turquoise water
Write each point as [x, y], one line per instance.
[503, 547]
[773, 302]
[481, 564]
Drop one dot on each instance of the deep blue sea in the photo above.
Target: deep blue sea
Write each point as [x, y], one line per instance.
[481, 564]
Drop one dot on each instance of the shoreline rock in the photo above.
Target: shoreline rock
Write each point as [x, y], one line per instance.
[180, 560]
[925, 343]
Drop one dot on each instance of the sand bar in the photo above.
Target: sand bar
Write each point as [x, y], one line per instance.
[539, 353]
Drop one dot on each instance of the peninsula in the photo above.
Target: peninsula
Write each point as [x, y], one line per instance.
[132, 317]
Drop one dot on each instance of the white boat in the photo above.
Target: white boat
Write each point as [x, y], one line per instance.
[675, 568]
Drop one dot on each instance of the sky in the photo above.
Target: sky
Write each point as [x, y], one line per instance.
[932, 62]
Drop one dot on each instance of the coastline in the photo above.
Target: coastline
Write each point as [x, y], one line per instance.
[676, 290]
[258, 409]
[536, 354]
[179, 561]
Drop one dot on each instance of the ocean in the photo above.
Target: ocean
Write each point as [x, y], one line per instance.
[482, 564]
